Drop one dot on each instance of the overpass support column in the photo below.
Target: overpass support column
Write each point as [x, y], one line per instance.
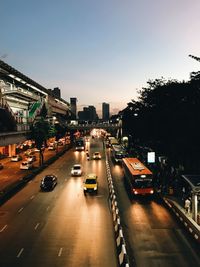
[12, 150]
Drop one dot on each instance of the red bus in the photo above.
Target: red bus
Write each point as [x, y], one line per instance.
[138, 177]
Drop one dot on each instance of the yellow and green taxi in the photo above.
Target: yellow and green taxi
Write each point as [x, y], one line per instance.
[90, 184]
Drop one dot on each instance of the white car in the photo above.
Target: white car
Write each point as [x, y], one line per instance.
[16, 158]
[31, 159]
[96, 155]
[25, 165]
[76, 170]
[51, 147]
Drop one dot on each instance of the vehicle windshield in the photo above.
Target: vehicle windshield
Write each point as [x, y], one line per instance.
[96, 153]
[90, 181]
[77, 167]
[143, 183]
[48, 179]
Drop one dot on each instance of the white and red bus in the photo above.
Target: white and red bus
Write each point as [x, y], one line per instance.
[138, 177]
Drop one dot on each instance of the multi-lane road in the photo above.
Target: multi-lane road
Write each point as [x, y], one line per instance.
[65, 228]
[153, 235]
[62, 227]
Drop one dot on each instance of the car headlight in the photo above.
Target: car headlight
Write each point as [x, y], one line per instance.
[95, 188]
[85, 188]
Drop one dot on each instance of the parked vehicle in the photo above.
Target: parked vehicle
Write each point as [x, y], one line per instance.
[29, 152]
[52, 146]
[31, 158]
[25, 165]
[16, 158]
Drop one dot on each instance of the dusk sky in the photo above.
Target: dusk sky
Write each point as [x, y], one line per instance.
[100, 50]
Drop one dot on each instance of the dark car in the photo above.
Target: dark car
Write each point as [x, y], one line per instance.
[48, 182]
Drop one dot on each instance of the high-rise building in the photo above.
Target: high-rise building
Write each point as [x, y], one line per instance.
[105, 111]
[55, 92]
[88, 113]
[73, 105]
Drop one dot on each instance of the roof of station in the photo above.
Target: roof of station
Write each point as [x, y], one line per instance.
[9, 71]
[193, 180]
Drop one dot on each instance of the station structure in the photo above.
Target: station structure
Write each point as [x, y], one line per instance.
[22, 101]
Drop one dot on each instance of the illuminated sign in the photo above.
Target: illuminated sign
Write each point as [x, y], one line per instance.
[151, 157]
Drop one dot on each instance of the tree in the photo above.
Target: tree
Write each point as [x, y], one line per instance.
[40, 132]
[167, 116]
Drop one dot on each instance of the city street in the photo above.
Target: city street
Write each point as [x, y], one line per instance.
[153, 235]
[61, 227]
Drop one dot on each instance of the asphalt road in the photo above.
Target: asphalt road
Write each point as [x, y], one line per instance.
[153, 235]
[62, 227]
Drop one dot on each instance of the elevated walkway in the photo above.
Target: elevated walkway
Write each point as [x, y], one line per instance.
[93, 125]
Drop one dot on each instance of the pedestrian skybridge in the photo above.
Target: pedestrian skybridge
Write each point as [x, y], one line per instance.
[106, 126]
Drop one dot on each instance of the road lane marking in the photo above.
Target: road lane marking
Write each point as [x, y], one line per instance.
[60, 252]
[2, 229]
[32, 196]
[20, 209]
[37, 226]
[19, 254]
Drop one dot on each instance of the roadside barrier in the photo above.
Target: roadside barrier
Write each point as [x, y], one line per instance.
[192, 227]
[119, 237]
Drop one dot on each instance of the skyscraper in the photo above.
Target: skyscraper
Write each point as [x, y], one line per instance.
[73, 101]
[105, 111]
[88, 113]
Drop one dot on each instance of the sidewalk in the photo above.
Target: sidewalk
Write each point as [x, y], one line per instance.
[176, 206]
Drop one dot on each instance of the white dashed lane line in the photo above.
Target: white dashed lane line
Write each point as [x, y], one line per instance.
[2, 229]
[60, 252]
[36, 226]
[20, 210]
[20, 253]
